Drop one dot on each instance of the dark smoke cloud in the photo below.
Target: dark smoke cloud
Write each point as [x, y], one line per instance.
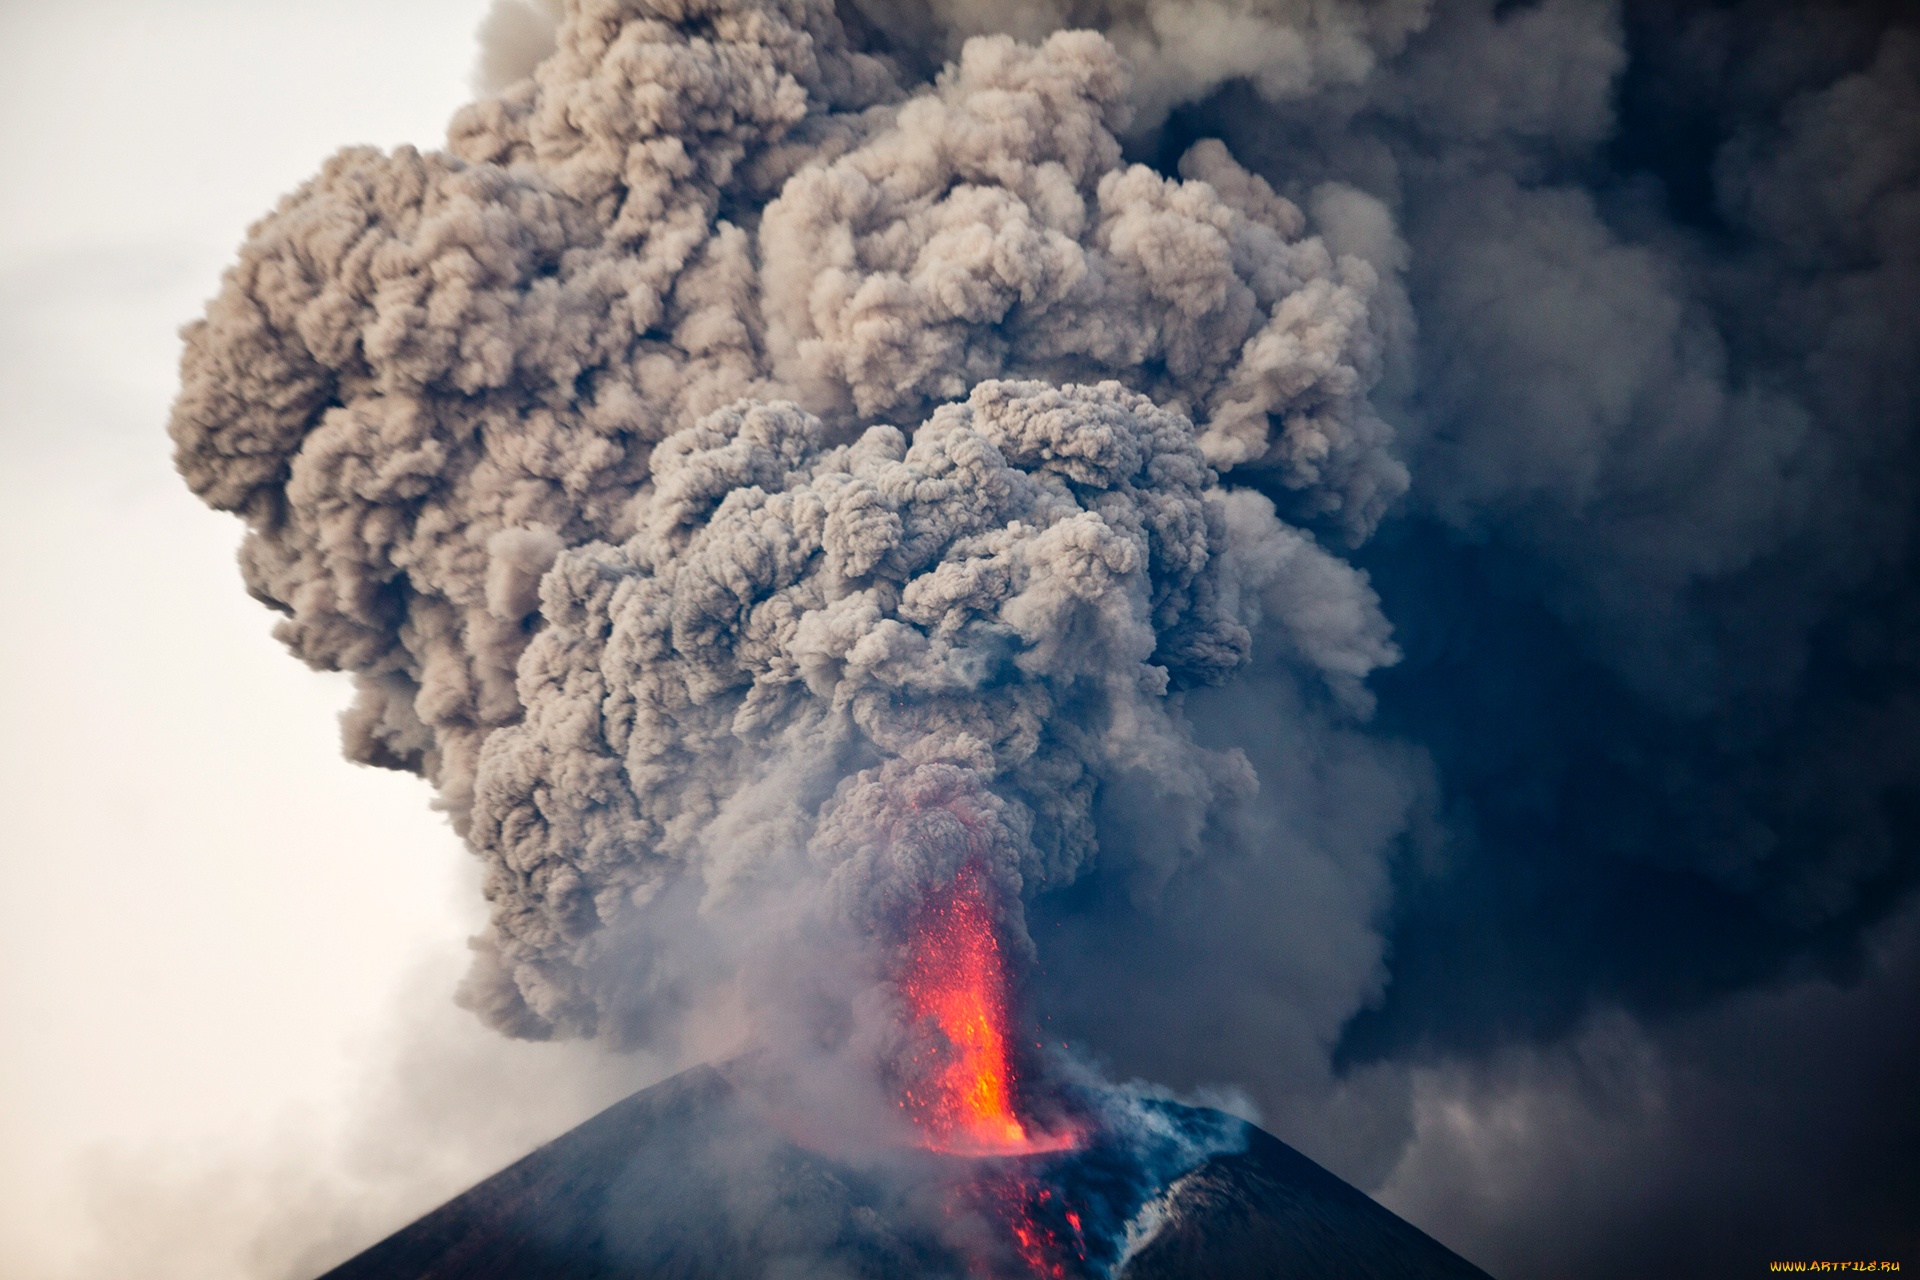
[1777, 1123]
[1653, 587]
[738, 429]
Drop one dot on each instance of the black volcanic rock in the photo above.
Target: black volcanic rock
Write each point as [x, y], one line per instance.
[685, 1181]
[1270, 1211]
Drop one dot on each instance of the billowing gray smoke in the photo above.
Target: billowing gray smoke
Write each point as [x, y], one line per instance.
[780, 452]
[723, 446]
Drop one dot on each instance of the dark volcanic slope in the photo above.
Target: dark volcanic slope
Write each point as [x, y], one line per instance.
[1270, 1211]
[680, 1181]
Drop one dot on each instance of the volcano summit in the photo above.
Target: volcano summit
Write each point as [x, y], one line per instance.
[691, 1180]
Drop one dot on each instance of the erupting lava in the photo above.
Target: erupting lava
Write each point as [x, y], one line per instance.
[956, 977]
[962, 1095]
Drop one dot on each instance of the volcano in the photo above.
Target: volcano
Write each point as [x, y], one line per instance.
[691, 1180]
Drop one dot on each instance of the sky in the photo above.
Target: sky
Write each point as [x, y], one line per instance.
[193, 972]
[1584, 934]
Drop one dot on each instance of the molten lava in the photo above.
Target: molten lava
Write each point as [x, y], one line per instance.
[962, 1090]
[956, 977]
[1046, 1234]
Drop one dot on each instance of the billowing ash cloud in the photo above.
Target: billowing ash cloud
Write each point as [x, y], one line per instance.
[779, 452]
[977, 622]
[724, 447]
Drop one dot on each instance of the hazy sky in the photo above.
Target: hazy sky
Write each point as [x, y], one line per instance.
[181, 985]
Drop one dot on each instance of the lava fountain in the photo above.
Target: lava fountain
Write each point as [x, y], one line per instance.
[955, 978]
[964, 1095]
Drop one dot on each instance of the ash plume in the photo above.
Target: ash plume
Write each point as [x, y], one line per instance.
[1385, 530]
[723, 444]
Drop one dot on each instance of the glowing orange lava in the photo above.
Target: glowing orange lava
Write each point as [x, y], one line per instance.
[963, 1094]
[1043, 1248]
[956, 976]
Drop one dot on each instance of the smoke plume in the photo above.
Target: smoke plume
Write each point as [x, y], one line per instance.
[1383, 531]
[726, 473]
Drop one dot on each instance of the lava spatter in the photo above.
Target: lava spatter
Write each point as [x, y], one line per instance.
[1047, 1234]
[964, 1094]
[956, 979]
